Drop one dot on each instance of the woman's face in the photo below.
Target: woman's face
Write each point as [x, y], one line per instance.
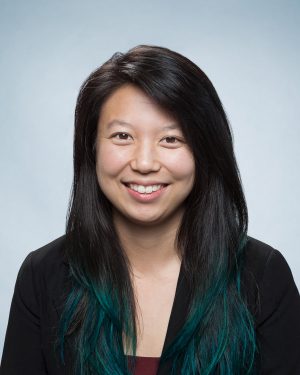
[138, 146]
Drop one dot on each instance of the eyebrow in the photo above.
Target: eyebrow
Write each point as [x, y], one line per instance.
[120, 122]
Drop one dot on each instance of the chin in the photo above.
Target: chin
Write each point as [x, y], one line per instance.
[142, 219]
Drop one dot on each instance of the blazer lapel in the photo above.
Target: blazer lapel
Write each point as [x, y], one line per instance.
[177, 318]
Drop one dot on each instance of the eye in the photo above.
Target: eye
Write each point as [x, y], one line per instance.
[172, 140]
[123, 136]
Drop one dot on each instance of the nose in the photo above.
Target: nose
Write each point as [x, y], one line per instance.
[144, 159]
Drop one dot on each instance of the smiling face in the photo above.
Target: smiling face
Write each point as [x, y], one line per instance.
[138, 143]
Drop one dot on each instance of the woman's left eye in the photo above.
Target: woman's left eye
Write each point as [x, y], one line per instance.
[173, 139]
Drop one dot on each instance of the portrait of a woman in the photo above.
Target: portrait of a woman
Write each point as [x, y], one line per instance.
[156, 273]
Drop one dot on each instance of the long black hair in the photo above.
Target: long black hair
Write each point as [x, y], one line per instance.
[218, 334]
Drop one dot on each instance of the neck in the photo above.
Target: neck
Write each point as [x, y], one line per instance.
[149, 248]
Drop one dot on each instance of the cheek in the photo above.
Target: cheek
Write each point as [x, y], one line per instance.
[109, 162]
[182, 165]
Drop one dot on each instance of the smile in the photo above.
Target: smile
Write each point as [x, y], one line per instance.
[145, 193]
[145, 189]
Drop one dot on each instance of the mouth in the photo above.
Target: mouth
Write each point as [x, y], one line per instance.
[145, 193]
[128, 184]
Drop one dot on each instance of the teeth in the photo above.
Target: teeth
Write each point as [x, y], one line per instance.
[145, 189]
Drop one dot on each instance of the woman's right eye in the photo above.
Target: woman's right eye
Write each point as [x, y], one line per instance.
[122, 136]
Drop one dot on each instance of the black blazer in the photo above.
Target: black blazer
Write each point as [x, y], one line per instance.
[37, 304]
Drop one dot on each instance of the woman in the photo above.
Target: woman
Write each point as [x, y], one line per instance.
[156, 273]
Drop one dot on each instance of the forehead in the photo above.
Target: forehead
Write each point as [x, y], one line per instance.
[130, 106]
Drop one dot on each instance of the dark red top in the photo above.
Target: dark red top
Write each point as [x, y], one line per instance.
[146, 365]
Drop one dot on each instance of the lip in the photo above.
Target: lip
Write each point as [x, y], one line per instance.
[144, 183]
[141, 197]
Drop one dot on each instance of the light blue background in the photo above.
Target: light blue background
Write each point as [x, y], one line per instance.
[250, 51]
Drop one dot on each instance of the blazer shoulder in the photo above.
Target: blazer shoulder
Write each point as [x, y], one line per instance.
[263, 261]
[50, 254]
[256, 256]
[43, 268]
[265, 273]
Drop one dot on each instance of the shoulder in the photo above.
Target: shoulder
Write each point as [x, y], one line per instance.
[47, 255]
[262, 260]
[44, 267]
[256, 256]
[267, 277]
[275, 302]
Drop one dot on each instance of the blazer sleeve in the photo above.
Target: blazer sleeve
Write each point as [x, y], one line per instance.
[278, 329]
[22, 352]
